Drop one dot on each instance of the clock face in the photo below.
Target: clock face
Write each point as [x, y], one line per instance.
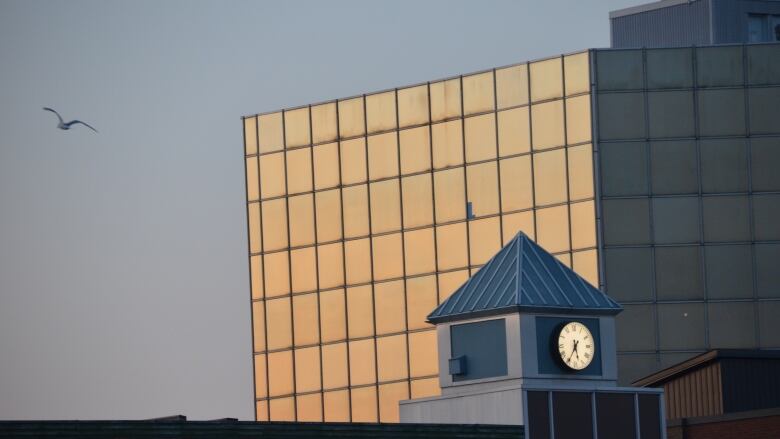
[576, 345]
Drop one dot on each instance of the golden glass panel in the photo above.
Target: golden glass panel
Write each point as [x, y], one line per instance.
[334, 366]
[299, 171]
[258, 326]
[272, 175]
[301, 220]
[328, 215]
[413, 106]
[518, 222]
[391, 358]
[360, 311]
[578, 119]
[445, 99]
[389, 395]
[304, 270]
[353, 161]
[580, 172]
[512, 86]
[296, 127]
[421, 299]
[577, 71]
[385, 206]
[331, 265]
[256, 268]
[336, 406]
[351, 117]
[417, 200]
[547, 123]
[550, 176]
[420, 252]
[587, 266]
[423, 356]
[355, 199]
[415, 150]
[250, 135]
[307, 369]
[261, 390]
[358, 257]
[480, 137]
[388, 256]
[565, 258]
[390, 312]
[583, 225]
[324, 123]
[516, 183]
[282, 409]
[383, 156]
[364, 404]
[252, 182]
[326, 166]
[478, 93]
[425, 388]
[451, 281]
[447, 141]
[333, 317]
[484, 239]
[450, 195]
[380, 111]
[277, 274]
[553, 228]
[255, 237]
[309, 408]
[451, 246]
[280, 374]
[270, 135]
[514, 133]
[546, 79]
[482, 183]
[305, 320]
[362, 364]
[279, 323]
[261, 411]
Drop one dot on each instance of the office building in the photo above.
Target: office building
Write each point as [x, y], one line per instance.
[650, 172]
[670, 23]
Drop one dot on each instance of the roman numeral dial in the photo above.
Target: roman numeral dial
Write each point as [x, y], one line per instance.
[576, 346]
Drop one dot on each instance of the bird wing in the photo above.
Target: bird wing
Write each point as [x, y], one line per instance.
[83, 123]
[58, 114]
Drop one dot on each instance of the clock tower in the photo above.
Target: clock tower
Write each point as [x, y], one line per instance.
[528, 341]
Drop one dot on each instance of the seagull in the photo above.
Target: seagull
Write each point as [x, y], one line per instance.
[66, 125]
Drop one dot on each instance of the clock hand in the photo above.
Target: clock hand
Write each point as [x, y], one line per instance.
[573, 351]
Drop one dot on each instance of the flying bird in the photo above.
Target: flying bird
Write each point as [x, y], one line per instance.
[66, 125]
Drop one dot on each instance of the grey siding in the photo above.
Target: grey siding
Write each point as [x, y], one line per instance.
[750, 384]
[729, 18]
[680, 25]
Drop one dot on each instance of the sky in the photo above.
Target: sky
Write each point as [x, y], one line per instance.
[124, 290]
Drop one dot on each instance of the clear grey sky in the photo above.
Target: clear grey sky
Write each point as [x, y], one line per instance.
[123, 267]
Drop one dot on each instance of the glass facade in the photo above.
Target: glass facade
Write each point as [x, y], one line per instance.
[689, 148]
[367, 212]
[652, 173]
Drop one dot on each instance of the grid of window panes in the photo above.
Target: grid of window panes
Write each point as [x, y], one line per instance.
[358, 227]
[689, 146]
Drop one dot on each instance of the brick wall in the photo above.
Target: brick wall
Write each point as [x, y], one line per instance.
[764, 427]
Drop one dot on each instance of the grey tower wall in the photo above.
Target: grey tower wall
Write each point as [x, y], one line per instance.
[681, 23]
[688, 150]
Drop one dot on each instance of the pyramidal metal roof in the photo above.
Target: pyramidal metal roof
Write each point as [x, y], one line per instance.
[523, 277]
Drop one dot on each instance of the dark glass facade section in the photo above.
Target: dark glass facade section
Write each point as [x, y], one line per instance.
[686, 200]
